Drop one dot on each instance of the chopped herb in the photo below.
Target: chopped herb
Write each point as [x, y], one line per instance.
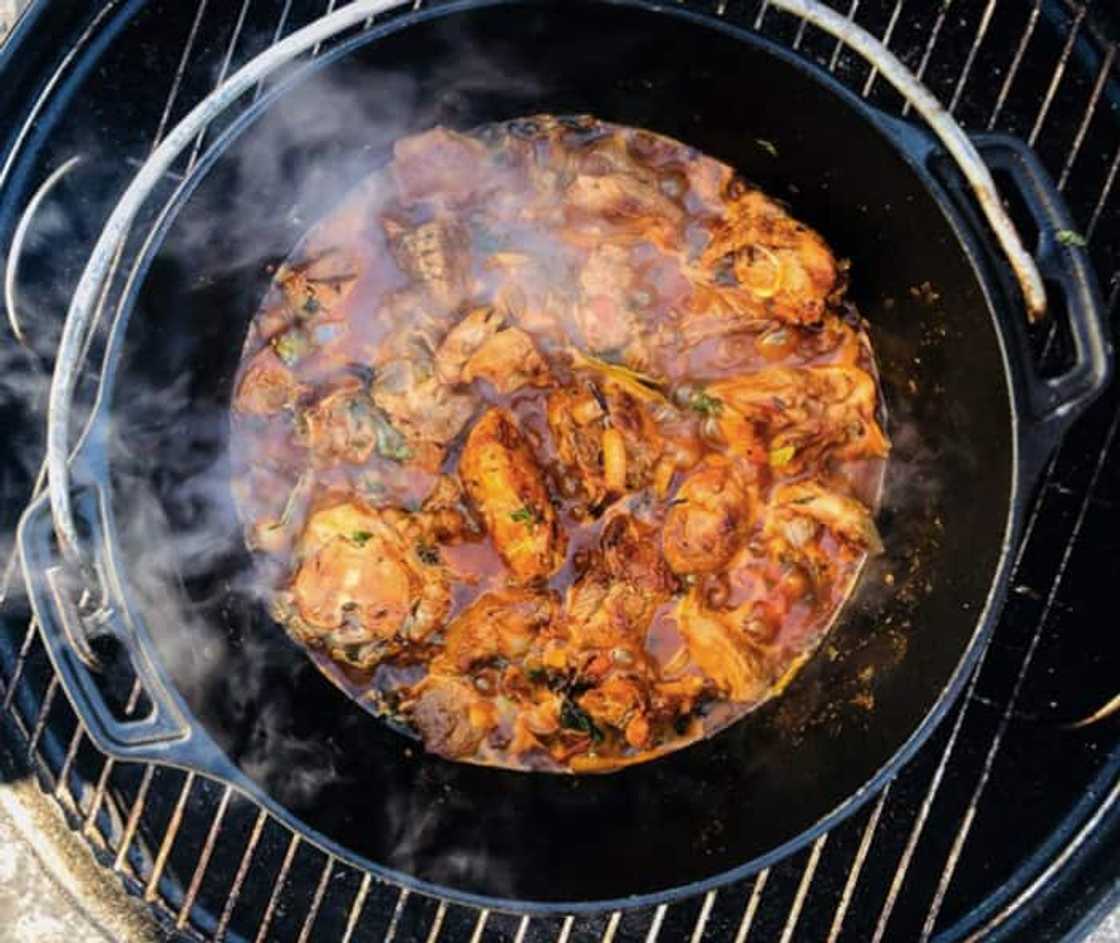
[360, 537]
[782, 456]
[538, 675]
[700, 402]
[427, 553]
[767, 146]
[1067, 237]
[576, 718]
[527, 514]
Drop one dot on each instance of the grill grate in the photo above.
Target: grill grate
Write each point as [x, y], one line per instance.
[942, 854]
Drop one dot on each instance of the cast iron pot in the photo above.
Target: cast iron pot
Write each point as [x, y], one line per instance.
[227, 694]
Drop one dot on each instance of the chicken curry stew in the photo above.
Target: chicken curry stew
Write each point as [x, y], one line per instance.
[558, 444]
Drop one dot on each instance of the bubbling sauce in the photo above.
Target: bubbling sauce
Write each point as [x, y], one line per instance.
[558, 443]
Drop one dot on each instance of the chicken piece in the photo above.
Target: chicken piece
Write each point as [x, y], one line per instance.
[508, 361]
[503, 480]
[631, 554]
[501, 624]
[846, 517]
[342, 426]
[777, 259]
[426, 412]
[620, 703]
[436, 255]
[361, 591]
[605, 433]
[464, 340]
[439, 164]
[451, 717]
[708, 519]
[723, 651]
[811, 409]
[267, 386]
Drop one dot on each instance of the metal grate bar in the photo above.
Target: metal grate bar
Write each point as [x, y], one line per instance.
[1016, 62]
[856, 868]
[803, 889]
[203, 860]
[1009, 709]
[41, 718]
[930, 43]
[480, 925]
[1090, 109]
[90, 825]
[612, 927]
[981, 32]
[316, 901]
[522, 929]
[281, 880]
[655, 924]
[752, 906]
[1106, 189]
[62, 786]
[151, 891]
[196, 149]
[134, 818]
[437, 922]
[839, 47]
[17, 671]
[1056, 79]
[356, 907]
[180, 71]
[566, 929]
[888, 33]
[394, 921]
[239, 877]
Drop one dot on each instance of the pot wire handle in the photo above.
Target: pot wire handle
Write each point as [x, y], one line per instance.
[955, 140]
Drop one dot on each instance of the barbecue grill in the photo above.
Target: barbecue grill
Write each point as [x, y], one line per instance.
[1001, 827]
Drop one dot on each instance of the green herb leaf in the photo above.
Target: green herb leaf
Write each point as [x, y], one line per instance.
[576, 718]
[704, 404]
[526, 514]
[427, 553]
[360, 537]
[291, 346]
[782, 456]
[1067, 237]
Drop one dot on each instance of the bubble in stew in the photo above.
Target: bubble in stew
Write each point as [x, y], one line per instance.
[558, 444]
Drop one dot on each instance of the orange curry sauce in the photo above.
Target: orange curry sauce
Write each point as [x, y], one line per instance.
[558, 443]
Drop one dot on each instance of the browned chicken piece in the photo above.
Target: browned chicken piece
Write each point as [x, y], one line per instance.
[611, 604]
[777, 259]
[503, 480]
[451, 717]
[846, 517]
[267, 386]
[464, 340]
[500, 624]
[439, 164]
[361, 591]
[620, 703]
[508, 361]
[708, 519]
[341, 427]
[605, 433]
[427, 413]
[435, 254]
[723, 651]
[445, 518]
[810, 410]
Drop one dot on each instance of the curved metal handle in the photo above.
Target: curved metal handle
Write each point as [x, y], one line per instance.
[1064, 261]
[65, 626]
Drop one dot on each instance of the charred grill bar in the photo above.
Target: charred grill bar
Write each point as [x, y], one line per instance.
[926, 860]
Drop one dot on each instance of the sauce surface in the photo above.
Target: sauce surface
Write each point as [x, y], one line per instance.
[558, 444]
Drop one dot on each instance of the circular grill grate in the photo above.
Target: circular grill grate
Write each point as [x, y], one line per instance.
[992, 823]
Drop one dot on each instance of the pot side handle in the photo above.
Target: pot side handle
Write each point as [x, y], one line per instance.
[69, 611]
[1063, 260]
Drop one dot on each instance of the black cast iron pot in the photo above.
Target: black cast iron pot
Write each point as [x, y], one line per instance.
[971, 416]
